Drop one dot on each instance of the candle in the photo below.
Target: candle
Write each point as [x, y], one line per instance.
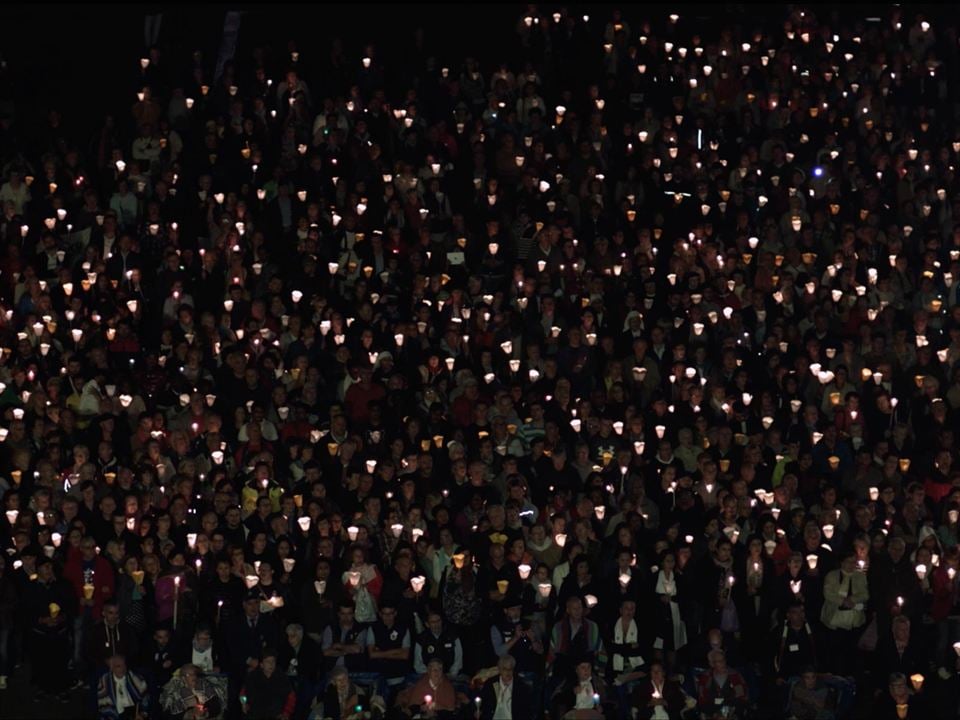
[176, 599]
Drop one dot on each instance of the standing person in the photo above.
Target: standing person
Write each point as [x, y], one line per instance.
[670, 628]
[51, 606]
[92, 578]
[845, 594]
[246, 639]
[8, 629]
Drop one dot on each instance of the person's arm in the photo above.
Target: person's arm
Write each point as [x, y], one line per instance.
[105, 707]
[289, 705]
[457, 658]
[418, 666]
[500, 648]
[400, 653]
[329, 648]
[860, 592]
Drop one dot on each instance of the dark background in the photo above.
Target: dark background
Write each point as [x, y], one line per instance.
[83, 59]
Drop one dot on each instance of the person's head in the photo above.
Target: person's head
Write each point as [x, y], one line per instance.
[388, 614]
[506, 666]
[202, 638]
[118, 666]
[345, 614]
[294, 634]
[575, 608]
[584, 670]
[340, 678]
[657, 673]
[898, 688]
[901, 628]
[718, 661]
[435, 622]
[88, 548]
[111, 613]
[268, 662]
[435, 670]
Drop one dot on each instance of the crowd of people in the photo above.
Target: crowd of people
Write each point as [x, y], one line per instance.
[617, 380]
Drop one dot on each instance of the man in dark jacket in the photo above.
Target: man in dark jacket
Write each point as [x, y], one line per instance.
[301, 659]
[50, 606]
[246, 639]
[505, 696]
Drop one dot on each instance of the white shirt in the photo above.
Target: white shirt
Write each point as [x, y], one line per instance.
[504, 697]
[585, 695]
[203, 659]
[123, 697]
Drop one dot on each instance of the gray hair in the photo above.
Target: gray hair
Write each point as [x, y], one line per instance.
[296, 627]
[507, 662]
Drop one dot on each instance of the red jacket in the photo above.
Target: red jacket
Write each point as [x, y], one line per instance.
[103, 580]
[944, 593]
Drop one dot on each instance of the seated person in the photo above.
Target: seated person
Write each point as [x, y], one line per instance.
[722, 690]
[657, 697]
[812, 698]
[203, 655]
[344, 700]
[267, 693]
[121, 694]
[432, 694]
[505, 696]
[583, 696]
[900, 701]
[190, 696]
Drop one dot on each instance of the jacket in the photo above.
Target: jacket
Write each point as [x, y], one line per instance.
[836, 589]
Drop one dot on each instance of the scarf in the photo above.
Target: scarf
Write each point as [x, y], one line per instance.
[177, 697]
[621, 638]
[136, 691]
[669, 588]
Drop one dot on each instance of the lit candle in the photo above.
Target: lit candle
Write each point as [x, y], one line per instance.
[176, 599]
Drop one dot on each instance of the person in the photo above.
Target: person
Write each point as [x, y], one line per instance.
[722, 691]
[108, 637]
[203, 653]
[344, 645]
[188, 695]
[300, 658]
[505, 696]
[657, 697]
[845, 594]
[250, 634]
[121, 693]
[436, 641]
[516, 637]
[810, 698]
[388, 648]
[901, 701]
[432, 694]
[49, 606]
[344, 700]
[573, 638]
[584, 695]
[626, 301]
[900, 651]
[266, 693]
[794, 646]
